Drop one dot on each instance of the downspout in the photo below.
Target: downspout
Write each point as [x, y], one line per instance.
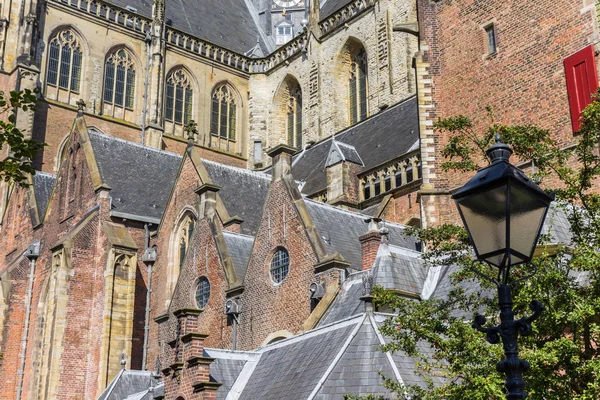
[148, 258]
[148, 40]
[32, 253]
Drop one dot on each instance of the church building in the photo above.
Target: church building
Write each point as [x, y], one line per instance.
[225, 181]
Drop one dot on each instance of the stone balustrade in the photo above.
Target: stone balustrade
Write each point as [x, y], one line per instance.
[130, 20]
[390, 177]
[345, 14]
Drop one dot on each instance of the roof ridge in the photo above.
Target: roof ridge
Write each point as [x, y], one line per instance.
[312, 332]
[245, 236]
[93, 131]
[239, 169]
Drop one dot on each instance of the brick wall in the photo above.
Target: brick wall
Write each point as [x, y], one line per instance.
[523, 82]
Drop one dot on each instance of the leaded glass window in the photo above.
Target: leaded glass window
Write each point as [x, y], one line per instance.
[202, 292]
[223, 114]
[357, 87]
[179, 97]
[119, 79]
[280, 265]
[64, 61]
[294, 118]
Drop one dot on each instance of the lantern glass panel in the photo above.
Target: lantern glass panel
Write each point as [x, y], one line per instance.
[484, 215]
[526, 218]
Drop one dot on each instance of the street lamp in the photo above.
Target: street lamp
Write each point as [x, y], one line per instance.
[503, 211]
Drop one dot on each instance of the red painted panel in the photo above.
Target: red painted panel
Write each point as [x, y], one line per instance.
[582, 82]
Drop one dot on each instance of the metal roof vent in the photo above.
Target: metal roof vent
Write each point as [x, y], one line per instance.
[132, 9]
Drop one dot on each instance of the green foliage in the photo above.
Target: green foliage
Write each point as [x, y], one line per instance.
[18, 163]
[454, 359]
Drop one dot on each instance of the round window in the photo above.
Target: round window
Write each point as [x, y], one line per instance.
[280, 265]
[202, 292]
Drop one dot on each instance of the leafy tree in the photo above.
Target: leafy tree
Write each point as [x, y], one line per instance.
[16, 159]
[454, 359]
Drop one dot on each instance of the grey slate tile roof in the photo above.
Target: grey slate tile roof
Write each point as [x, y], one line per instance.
[357, 371]
[227, 23]
[291, 369]
[399, 269]
[42, 187]
[129, 383]
[126, 167]
[224, 370]
[340, 230]
[557, 224]
[239, 247]
[347, 303]
[331, 6]
[378, 139]
[232, 180]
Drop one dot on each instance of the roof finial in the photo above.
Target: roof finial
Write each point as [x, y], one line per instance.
[191, 130]
[499, 151]
[80, 107]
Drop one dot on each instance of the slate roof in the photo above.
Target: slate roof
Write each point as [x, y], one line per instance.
[400, 269]
[226, 368]
[239, 247]
[557, 224]
[330, 6]
[231, 180]
[132, 385]
[126, 167]
[43, 184]
[347, 303]
[227, 23]
[377, 140]
[358, 369]
[291, 369]
[340, 230]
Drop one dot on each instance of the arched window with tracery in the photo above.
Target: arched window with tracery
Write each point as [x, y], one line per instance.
[178, 97]
[294, 117]
[357, 87]
[64, 61]
[119, 79]
[223, 121]
[179, 246]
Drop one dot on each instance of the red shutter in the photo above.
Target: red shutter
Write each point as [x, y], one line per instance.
[582, 82]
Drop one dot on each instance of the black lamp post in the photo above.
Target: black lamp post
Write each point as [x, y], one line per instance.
[503, 211]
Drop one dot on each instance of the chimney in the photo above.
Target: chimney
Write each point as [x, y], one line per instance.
[208, 200]
[281, 160]
[370, 242]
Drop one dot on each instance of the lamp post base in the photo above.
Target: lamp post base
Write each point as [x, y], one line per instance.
[508, 331]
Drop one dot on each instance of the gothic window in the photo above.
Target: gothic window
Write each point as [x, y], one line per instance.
[202, 292]
[179, 96]
[280, 265]
[294, 118]
[185, 235]
[64, 61]
[119, 79]
[223, 114]
[357, 87]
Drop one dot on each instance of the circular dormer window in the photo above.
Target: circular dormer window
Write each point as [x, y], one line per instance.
[202, 292]
[280, 265]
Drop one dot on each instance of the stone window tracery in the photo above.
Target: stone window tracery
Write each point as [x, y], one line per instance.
[179, 97]
[357, 87]
[119, 79]
[294, 118]
[223, 122]
[64, 61]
